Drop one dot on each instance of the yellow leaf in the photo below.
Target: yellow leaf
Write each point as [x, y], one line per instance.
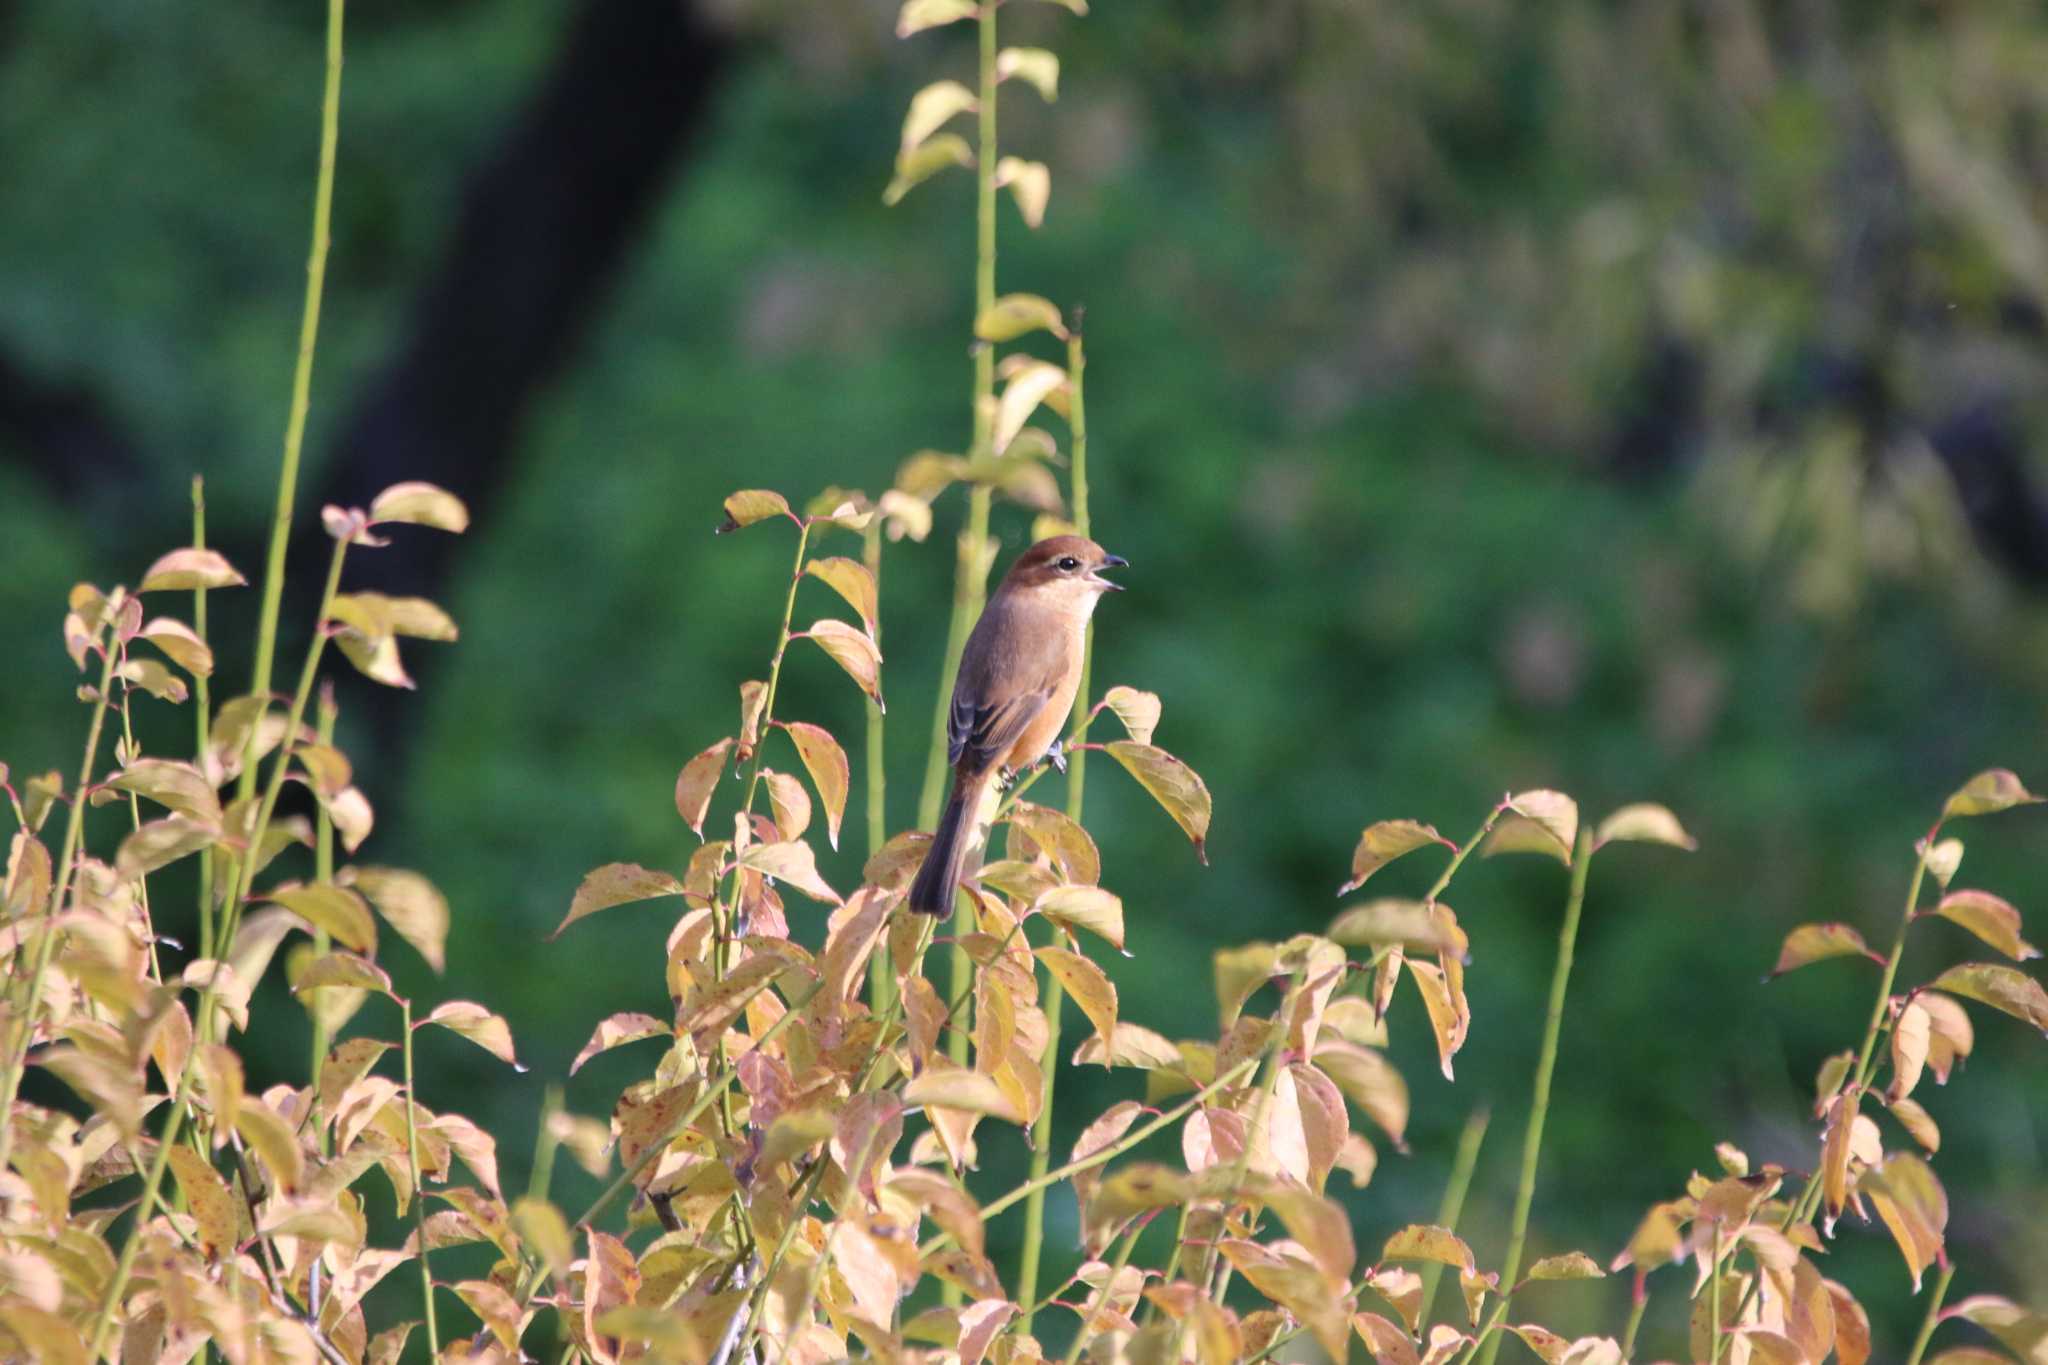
[1644, 823]
[695, 785]
[750, 505]
[1989, 917]
[1131, 1045]
[1021, 397]
[1369, 1081]
[207, 1196]
[1426, 1242]
[918, 15]
[1013, 315]
[926, 160]
[487, 1030]
[1423, 926]
[931, 108]
[1088, 986]
[948, 1087]
[854, 651]
[792, 863]
[1085, 907]
[1913, 1206]
[409, 903]
[1910, 1034]
[420, 504]
[1449, 1015]
[1816, 942]
[616, 884]
[1034, 64]
[1993, 790]
[1570, 1265]
[1385, 840]
[336, 909]
[1173, 784]
[790, 803]
[190, 568]
[851, 580]
[2002, 988]
[1030, 184]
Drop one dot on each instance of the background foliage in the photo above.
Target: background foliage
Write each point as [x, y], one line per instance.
[1632, 400]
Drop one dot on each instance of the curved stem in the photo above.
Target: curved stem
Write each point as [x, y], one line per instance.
[1546, 1068]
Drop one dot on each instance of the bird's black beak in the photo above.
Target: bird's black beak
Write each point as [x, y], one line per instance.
[1110, 562]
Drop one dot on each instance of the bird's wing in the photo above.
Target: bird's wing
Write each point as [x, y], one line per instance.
[979, 734]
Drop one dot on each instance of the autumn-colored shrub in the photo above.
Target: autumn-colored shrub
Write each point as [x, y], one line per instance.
[792, 1179]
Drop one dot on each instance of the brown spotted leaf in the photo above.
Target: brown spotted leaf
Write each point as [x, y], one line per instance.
[697, 783]
[1178, 788]
[826, 762]
[2002, 988]
[487, 1030]
[1385, 840]
[1989, 917]
[616, 884]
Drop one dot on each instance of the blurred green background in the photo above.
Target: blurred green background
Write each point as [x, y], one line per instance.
[1637, 399]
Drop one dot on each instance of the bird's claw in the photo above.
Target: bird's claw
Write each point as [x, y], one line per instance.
[1057, 756]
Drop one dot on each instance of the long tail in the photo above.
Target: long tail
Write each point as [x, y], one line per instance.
[937, 881]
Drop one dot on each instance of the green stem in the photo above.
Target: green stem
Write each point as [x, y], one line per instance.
[302, 383]
[74, 826]
[203, 716]
[323, 872]
[1123, 1258]
[419, 1192]
[181, 1092]
[1106, 1154]
[880, 985]
[1546, 1067]
[1453, 1205]
[1927, 1323]
[1077, 770]
[1635, 1320]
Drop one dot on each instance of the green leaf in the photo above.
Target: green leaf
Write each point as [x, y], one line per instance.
[336, 909]
[930, 110]
[190, 568]
[421, 504]
[2002, 988]
[1032, 64]
[750, 505]
[1989, 792]
[1989, 917]
[1173, 784]
[919, 15]
[922, 162]
[1015, 315]
[1817, 942]
[616, 884]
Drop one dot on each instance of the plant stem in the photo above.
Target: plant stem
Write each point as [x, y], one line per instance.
[74, 826]
[156, 970]
[1106, 1154]
[203, 716]
[1077, 770]
[209, 996]
[323, 872]
[880, 985]
[419, 1192]
[1453, 1205]
[1123, 1258]
[302, 383]
[1948, 1272]
[1635, 1319]
[1546, 1067]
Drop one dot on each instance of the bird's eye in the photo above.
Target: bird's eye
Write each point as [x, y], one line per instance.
[1069, 564]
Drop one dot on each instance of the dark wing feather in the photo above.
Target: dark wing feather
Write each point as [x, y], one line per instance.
[978, 735]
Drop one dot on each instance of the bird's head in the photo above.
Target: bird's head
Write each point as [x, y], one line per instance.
[1065, 568]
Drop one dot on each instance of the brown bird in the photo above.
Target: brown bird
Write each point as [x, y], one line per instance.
[1018, 675]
